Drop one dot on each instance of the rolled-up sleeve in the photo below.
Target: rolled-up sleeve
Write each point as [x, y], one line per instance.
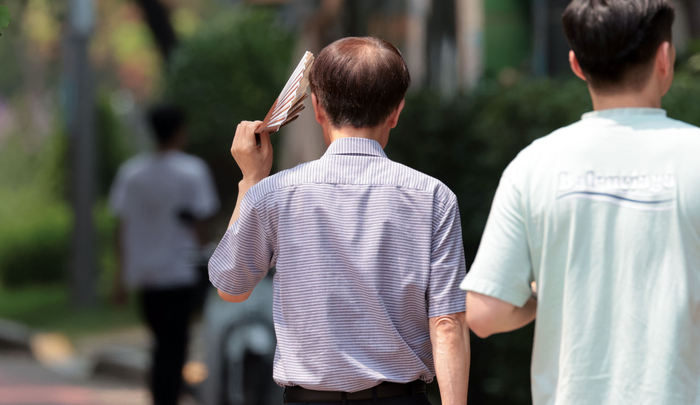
[447, 265]
[244, 255]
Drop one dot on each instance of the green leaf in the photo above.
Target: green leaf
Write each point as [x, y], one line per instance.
[5, 18]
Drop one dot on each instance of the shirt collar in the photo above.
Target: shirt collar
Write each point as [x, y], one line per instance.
[625, 113]
[355, 146]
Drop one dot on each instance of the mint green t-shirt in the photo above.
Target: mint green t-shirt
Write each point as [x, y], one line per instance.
[605, 216]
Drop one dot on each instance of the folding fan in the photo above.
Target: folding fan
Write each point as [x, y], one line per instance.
[290, 102]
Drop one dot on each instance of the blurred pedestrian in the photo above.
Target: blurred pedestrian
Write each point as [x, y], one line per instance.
[159, 198]
[604, 215]
[368, 252]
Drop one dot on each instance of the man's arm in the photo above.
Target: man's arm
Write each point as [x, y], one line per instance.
[255, 162]
[487, 315]
[449, 335]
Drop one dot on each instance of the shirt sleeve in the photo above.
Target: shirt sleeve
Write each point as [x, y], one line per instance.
[502, 268]
[243, 256]
[447, 265]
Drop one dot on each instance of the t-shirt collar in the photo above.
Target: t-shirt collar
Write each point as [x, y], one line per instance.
[355, 146]
[625, 113]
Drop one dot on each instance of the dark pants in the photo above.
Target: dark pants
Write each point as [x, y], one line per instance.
[418, 399]
[167, 314]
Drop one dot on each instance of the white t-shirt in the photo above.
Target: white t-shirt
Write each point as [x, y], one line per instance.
[148, 195]
[605, 216]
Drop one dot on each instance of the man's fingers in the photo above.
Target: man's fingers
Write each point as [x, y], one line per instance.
[245, 136]
[265, 144]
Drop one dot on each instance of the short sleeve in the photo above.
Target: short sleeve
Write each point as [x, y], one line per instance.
[243, 256]
[502, 268]
[447, 265]
[206, 201]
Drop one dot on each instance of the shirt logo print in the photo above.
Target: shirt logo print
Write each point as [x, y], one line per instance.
[638, 190]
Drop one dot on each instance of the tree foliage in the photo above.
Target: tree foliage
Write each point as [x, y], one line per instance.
[232, 70]
[5, 18]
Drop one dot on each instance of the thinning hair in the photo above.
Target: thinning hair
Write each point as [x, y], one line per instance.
[615, 41]
[359, 81]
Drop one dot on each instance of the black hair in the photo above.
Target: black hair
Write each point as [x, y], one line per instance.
[359, 81]
[166, 120]
[615, 41]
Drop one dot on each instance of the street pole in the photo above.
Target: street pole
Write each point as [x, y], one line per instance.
[80, 111]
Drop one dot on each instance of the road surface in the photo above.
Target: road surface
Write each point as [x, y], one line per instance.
[23, 381]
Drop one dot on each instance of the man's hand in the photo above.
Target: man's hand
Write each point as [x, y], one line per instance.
[254, 160]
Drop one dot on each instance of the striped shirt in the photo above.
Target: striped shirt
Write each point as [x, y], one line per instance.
[366, 250]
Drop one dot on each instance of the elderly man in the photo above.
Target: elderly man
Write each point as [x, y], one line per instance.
[605, 215]
[368, 252]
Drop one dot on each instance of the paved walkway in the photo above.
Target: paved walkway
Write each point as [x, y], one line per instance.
[23, 381]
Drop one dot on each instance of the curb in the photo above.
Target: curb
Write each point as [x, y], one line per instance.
[14, 335]
[124, 363]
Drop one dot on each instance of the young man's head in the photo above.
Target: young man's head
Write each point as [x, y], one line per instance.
[359, 83]
[168, 124]
[621, 45]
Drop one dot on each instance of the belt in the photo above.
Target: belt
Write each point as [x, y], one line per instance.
[383, 390]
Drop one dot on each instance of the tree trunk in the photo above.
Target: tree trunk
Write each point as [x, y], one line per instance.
[158, 20]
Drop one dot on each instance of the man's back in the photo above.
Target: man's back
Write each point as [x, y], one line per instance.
[151, 195]
[611, 213]
[366, 250]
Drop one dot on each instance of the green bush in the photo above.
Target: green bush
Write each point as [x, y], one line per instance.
[36, 218]
[35, 250]
[233, 69]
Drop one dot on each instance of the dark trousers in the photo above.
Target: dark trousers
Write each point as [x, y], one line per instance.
[167, 314]
[418, 399]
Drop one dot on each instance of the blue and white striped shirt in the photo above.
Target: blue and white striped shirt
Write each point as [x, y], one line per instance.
[366, 250]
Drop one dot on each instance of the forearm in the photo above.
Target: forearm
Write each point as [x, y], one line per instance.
[487, 315]
[451, 353]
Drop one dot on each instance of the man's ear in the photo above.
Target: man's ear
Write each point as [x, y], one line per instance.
[394, 117]
[575, 67]
[665, 59]
[318, 111]
[663, 66]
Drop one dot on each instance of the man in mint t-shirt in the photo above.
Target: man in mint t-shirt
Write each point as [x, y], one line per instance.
[604, 215]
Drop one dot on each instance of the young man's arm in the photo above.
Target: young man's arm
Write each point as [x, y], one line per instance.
[255, 162]
[449, 335]
[488, 315]
[499, 289]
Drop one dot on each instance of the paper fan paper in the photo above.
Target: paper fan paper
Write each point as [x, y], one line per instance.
[291, 100]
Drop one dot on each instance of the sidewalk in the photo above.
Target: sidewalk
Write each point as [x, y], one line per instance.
[122, 355]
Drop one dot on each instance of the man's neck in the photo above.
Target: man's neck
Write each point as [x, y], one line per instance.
[379, 133]
[642, 99]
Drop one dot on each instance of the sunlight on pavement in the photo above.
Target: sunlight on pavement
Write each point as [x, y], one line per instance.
[51, 348]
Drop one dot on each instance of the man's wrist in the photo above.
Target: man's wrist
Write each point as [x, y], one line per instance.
[247, 183]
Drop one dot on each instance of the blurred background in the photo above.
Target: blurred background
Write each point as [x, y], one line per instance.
[77, 76]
